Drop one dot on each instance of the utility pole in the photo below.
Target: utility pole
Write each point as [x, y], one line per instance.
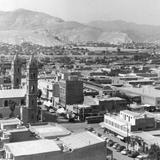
[127, 136]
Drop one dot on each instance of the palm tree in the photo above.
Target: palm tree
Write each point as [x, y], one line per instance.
[154, 152]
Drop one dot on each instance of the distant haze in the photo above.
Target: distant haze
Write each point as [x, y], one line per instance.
[139, 11]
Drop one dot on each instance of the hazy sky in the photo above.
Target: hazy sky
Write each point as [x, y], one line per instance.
[139, 11]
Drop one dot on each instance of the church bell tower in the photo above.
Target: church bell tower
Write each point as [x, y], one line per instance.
[30, 111]
[16, 72]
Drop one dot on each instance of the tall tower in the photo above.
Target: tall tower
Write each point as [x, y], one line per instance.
[29, 114]
[16, 72]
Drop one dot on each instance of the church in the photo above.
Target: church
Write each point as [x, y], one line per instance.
[25, 99]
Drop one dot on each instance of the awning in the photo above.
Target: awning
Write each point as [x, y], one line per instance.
[115, 130]
[120, 137]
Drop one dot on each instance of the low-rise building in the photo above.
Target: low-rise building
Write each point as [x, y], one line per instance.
[85, 145]
[149, 95]
[18, 96]
[128, 122]
[37, 150]
[49, 130]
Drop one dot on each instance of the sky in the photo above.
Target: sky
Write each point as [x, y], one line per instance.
[139, 11]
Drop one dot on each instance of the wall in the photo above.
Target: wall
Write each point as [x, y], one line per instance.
[148, 100]
[17, 100]
[5, 111]
[74, 92]
[94, 152]
[42, 156]
[145, 123]
[21, 136]
[113, 105]
[71, 92]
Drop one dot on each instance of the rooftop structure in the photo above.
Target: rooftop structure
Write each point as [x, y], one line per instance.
[145, 90]
[49, 131]
[32, 147]
[149, 95]
[81, 140]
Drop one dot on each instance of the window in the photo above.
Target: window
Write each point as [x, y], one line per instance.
[33, 75]
[22, 102]
[32, 89]
[17, 80]
[18, 70]
[129, 118]
[6, 103]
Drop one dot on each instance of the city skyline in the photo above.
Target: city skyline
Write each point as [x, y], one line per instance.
[138, 11]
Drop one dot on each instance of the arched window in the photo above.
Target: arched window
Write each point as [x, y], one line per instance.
[17, 80]
[18, 70]
[6, 103]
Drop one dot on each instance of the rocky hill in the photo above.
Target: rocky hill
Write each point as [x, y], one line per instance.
[40, 28]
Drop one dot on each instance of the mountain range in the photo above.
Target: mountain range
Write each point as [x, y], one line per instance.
[40, 28]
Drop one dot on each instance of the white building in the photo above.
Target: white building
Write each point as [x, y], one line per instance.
[37, 150]
[80, 146]
[128, 122]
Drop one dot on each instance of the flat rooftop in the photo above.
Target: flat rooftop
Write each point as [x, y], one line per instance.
[32, 147]
[150, 137]
[12, 93]
[80, 140]
[11, 120]
[137, 114]
[88, 101]
[149, 91]
[50, 131]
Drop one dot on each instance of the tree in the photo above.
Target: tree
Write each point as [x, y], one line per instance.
[154, 152]
[12, 106]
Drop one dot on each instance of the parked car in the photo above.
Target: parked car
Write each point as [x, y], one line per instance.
[120, 148]
[142, 157]
[133, 154]
[110, 143]
[115, 145]
[125, 151]
[89, 129]
[51, 111]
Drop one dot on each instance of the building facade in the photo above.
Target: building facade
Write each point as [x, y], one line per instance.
[71, 92]
[128, 122]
